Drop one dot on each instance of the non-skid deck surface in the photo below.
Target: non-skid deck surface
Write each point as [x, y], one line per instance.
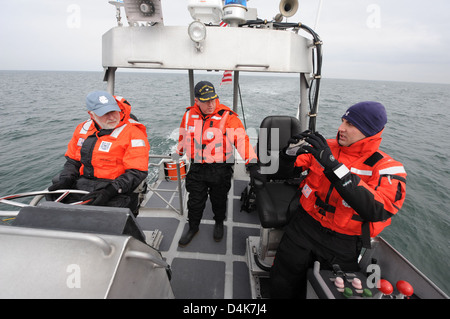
[204, 268]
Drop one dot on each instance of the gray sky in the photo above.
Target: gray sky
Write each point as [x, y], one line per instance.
[398, 40]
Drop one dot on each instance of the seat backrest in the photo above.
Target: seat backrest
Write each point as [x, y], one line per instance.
[268, 144]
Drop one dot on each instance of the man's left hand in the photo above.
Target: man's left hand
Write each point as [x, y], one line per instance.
[321, 151]
[100, 197]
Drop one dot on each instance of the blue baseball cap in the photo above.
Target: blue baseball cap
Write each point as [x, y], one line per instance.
[101, 102]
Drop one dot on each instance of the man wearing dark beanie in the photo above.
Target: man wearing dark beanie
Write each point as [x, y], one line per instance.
[349, 195]
[368, 117]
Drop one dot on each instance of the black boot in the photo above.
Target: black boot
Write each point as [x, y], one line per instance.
[218, 231]
[187, 237]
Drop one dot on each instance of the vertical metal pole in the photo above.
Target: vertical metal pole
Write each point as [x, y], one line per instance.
[235, 90]
[303, 107]
[191, 86]
[110, 77]
[180, 190]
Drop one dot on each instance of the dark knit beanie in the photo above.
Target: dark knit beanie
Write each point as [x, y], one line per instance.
[369, 117]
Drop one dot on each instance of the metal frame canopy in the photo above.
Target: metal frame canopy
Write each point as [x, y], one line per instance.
[232, 48]
[255, 46]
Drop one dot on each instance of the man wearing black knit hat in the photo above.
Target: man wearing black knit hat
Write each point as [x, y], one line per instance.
[349, 195]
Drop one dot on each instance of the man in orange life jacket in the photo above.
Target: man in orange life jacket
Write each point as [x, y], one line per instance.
[208, 132]
[107, 155]
[349, 195]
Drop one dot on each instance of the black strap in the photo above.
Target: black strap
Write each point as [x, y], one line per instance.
[365, 227]
[365, 235]
[325, 206]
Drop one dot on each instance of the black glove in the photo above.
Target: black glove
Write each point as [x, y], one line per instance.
[255, 174]
[321, 151]
[63, 183]
[100, 197]
[294, 139]
[295, 145]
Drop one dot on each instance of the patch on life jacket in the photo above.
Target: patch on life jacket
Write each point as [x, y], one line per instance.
[104, 146]
[80, 142]
[306, 190]
[209, 135]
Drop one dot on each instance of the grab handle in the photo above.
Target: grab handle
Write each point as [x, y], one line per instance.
[56, 234]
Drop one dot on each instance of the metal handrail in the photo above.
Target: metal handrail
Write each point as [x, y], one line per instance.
[174, 157]
[58, 234]
[38, 195]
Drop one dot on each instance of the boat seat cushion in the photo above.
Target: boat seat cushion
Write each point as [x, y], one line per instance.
[276, 203]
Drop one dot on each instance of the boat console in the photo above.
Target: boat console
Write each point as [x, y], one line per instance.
[337, 284]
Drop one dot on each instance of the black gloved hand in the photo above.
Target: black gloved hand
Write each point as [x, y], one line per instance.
[100, 197]
[321, 151]
[294, 148]
[63, 183]
[255, 174]
[294, 139]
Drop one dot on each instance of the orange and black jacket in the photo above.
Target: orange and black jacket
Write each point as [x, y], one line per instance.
[362, 200]
[210, 138]
[120, 155]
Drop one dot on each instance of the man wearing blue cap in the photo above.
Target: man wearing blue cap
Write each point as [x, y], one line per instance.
[107, 155]
[349, 195]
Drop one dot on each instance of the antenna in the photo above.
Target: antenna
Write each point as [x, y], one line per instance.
[118, 5]
[319, 11]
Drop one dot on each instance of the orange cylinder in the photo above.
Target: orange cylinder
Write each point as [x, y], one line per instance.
[170, 170]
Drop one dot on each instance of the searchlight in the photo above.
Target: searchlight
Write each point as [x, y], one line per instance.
[197, 33]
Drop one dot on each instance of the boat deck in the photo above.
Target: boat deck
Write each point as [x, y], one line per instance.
[204, 268]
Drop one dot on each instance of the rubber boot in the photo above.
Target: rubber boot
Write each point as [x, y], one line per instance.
[218, 231]
[187, 237]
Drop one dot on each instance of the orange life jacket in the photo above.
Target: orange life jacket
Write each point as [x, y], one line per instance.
[210, 138]
[109, 156]
[376, 188]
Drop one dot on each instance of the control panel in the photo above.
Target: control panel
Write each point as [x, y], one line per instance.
[337, 284]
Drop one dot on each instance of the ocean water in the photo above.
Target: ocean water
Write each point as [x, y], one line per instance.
[39, 111]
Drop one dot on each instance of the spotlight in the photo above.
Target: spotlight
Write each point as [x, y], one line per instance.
[197, 31]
